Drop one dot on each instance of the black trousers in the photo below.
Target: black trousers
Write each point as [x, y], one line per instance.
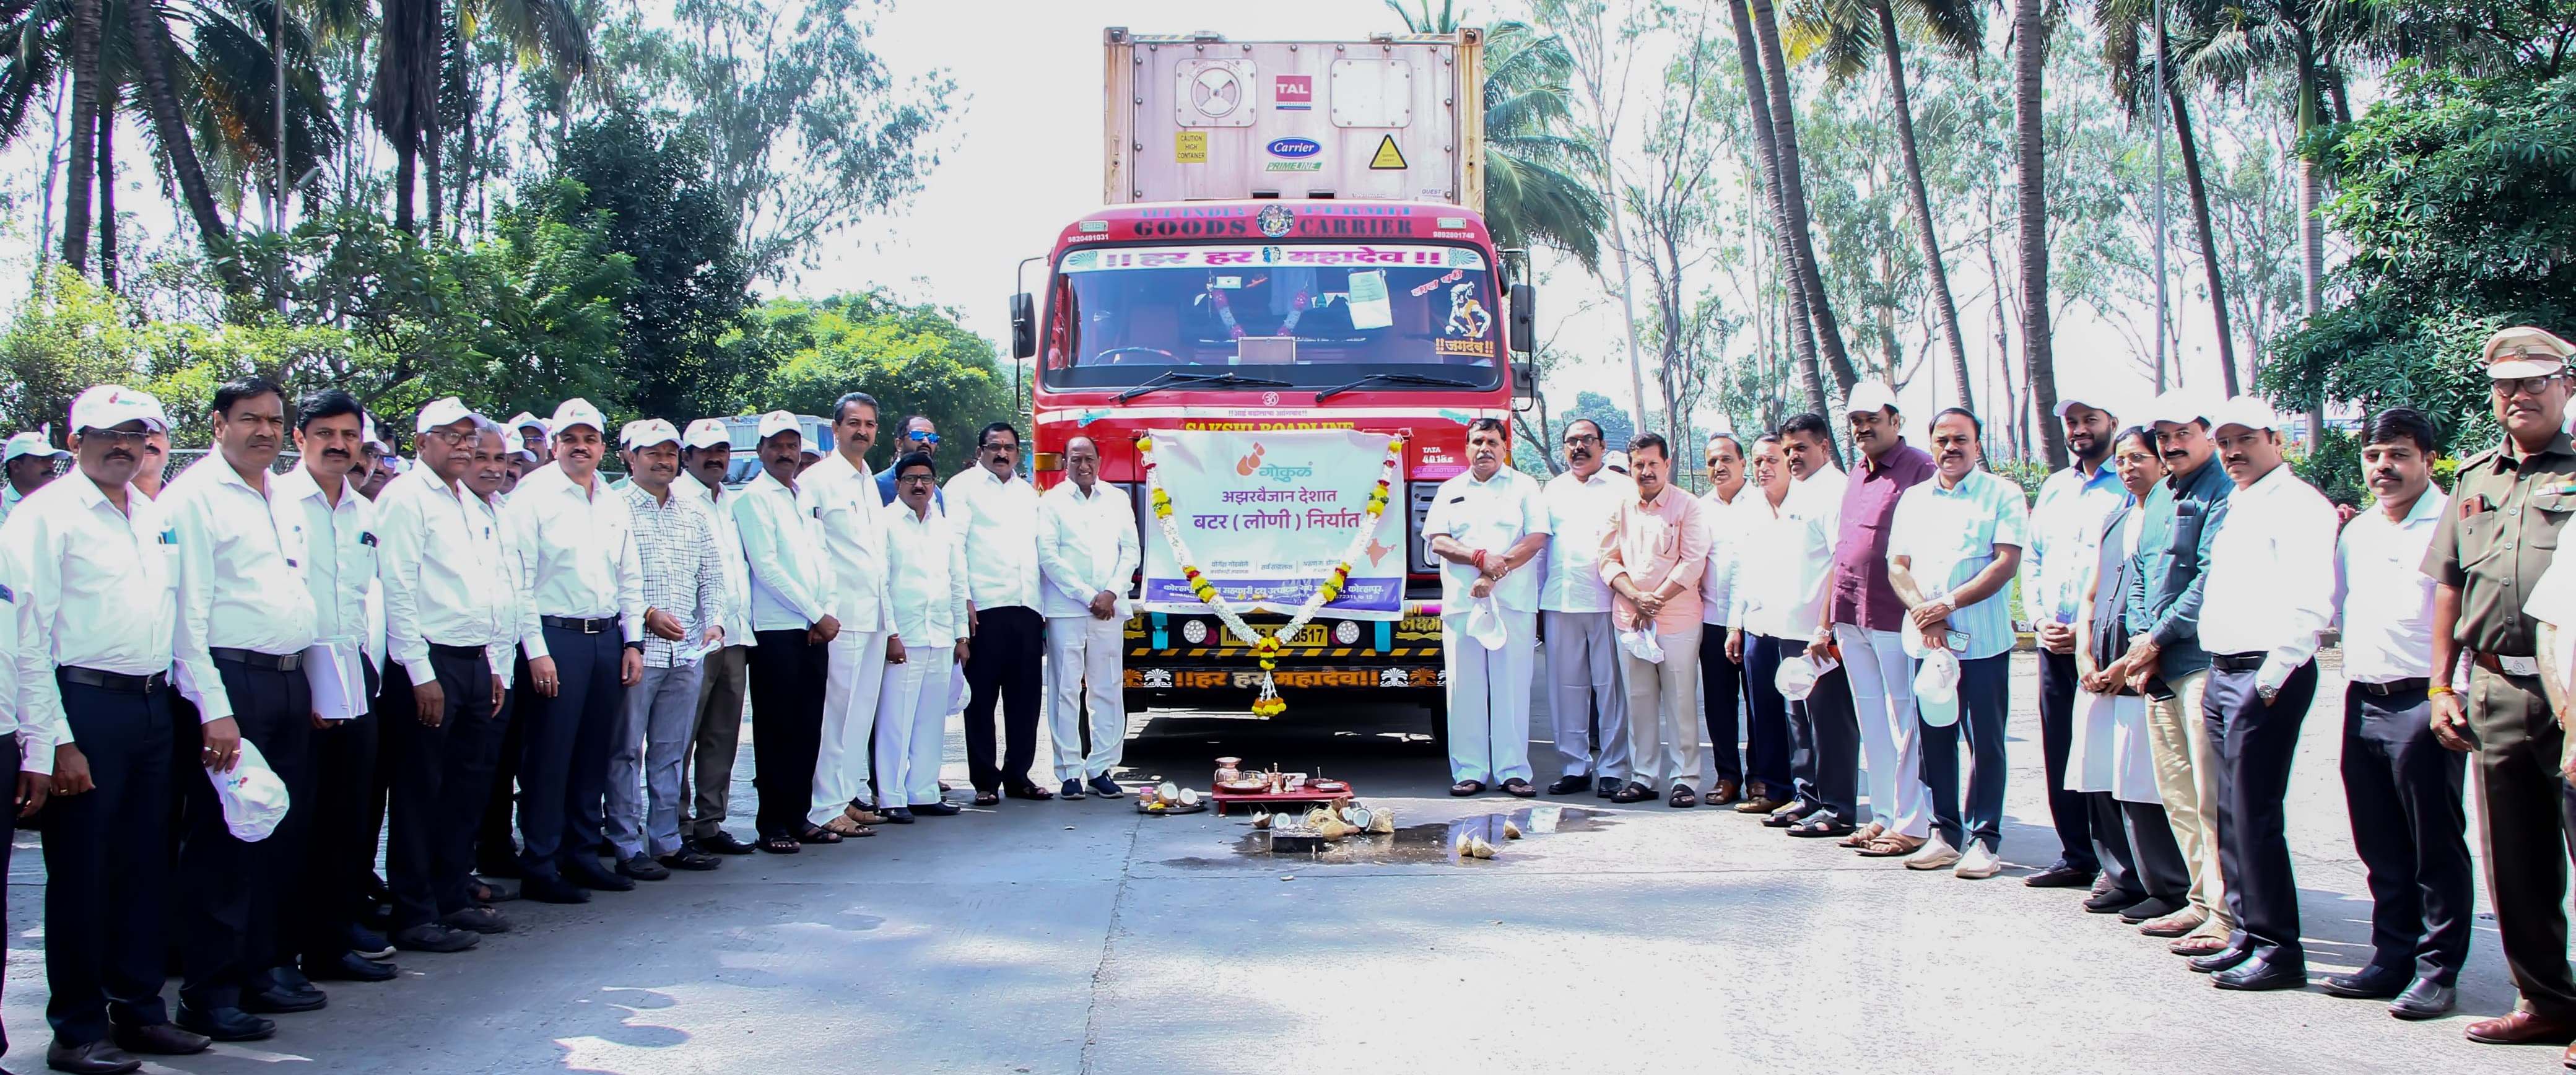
[1004, 666]
[231, 889]
[340, 844]
[563, 750]
[787, 674]
[2403, 790]
[2136, 847]
[2530, 833]
[1824, 730]
[2070, 810]
[1721, 684]
[107, 867]
[2255, 742]
[427, 856]
[497, 845]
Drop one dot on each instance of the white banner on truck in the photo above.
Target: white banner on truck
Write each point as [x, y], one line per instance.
[1268, 514]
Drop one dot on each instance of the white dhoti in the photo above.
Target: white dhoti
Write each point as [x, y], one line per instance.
[1582, 679]
[850, 685]
[1082, 667]
[1489, 698]
[912, 726]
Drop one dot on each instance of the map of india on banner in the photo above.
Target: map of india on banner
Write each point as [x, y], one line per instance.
[1266, 516]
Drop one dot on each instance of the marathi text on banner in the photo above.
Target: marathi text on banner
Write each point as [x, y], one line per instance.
[1268, 514]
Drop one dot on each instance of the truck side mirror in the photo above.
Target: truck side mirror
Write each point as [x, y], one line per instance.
[1524, 387]
[1524, 318]
[1024, 326]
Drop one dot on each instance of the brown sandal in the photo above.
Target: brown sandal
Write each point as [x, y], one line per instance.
[1888, 847]
[1862, 836]
[862, 815]
[844, 827]
[816, 834]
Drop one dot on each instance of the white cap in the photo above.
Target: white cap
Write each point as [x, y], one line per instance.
[2179, 405]
[443, 411]
[1617, 461]
[367, 432]
[648, 432]
[109, 406]
[1869, 397]
[2244, 411]
[31, 444]
[2067, 403]
[707, 433]
[577, 412]
[524, 452]
[524, 420]
[777, 422]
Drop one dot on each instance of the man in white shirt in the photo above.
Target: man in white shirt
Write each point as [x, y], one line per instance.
[1766, 747]
[927, 566]
[2402, 788]
[28, 464]
[497, 747]
[245, 620]
[97, 613]
[2065, 539]
[28, 751]
[1584, 692]
[449, 608]
[1779, 596]
[2270, 594]
[793, 593]
[588, 588]
[335, 526]
[530, 434]
[1087, 555]
[854, 543]
[683, 613]
[995, 513]
[706, 452]
[1485, 526]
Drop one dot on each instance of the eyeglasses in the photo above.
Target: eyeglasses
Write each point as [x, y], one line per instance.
[915, 479]
[1005, 449]
[1577, 439]
[123, 438]
[2530, 386]
[449, 436]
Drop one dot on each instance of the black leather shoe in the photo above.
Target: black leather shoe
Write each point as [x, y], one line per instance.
[2423, 1000]
[899, 815]
[280, 1000]
[2369, 983]
[722, 843]
[432, 937]
[688, 858]
[1606, 787]
[2060, 875]
[1633, 793]
[95, 1058]
[159, 1039]
[225, 1024]
[2149, 909]
[350, 967]
[554, 890]
[937, 809]
[644, 868]
[2112, 902]
[2263, 972]
[476, 919]
[585, 871]
[2220, 960]
[1569, 784]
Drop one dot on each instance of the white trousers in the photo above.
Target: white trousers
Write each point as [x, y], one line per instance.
[1083, 652]
[912, 726]
[1663, 711]
[850, 686]
[1882, 686]
[1489, 698]
[1582, 676]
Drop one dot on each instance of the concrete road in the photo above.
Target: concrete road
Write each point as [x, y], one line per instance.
[1082, 937]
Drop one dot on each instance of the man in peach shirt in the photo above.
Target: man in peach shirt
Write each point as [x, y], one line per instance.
[1657, 548]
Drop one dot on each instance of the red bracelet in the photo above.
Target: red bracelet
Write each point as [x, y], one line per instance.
[1480, 559]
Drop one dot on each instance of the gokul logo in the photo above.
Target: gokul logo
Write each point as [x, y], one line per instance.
[1295, 148]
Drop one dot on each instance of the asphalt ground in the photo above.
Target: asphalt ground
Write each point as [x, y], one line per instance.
[1084, 937]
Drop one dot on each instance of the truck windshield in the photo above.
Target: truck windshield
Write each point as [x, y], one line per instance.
[1313, 315]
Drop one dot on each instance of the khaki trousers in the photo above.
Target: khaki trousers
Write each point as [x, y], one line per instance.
[2187, 779]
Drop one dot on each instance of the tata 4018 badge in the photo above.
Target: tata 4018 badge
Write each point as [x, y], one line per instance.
[1275, 220]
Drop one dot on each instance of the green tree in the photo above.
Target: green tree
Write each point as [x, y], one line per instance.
[70, 334]
[915, 359]
[1534, 190]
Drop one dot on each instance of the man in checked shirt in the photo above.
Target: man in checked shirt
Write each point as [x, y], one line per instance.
[683, 620]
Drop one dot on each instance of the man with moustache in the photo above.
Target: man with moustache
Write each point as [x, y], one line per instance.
[530, 434]
[1766, 546]
[2401, 787]
[927, 565]
[28, 464]
[339, 568]
[1783, 591]
[1483, 527]
[155, 471]
[450, 610]
[706, 453]
[1652, 558]
[1574, 611]
[1863, 616]
[245, 620]
[495, 746]
[2493, 546]
[792, 598]
[2065, 535]
[683, 612]
[996, 512]
[2143, 873]
[854, 543]
[1766, 751]
[97, 612]
[1087, 554]
[587, 583]
[919, 434]
[2166, 662]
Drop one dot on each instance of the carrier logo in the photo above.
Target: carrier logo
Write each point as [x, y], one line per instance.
[1294, 148]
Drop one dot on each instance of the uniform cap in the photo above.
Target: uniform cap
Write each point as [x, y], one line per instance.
[109, 406]
[648, 432]
[777, 422]
[577, 412]
[31, 443]
[2244, 411]
[1617, 461]
[2525, 352]
[444, 411]
[707, 433]
[1869, 397]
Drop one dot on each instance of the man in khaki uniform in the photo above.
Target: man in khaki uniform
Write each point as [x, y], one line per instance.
[2488, 553]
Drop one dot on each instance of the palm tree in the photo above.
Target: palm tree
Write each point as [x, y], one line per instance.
[2124, 52]
[2030, 56]
[413, 64]
[1793, 199]
[1757, 96]
[1534, 193]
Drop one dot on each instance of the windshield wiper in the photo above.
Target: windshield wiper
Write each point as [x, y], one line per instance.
[1422, 379]
[1177, 378]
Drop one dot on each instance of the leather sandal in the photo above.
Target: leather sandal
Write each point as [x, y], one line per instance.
[1465, 788]
[1888, 847]
[816, 834]
[844, 827]
[1861, 838]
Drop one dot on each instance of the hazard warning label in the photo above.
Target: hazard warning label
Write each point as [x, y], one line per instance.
[1388, 157]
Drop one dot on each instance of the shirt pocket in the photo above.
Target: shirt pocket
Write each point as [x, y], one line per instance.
[2549, 512]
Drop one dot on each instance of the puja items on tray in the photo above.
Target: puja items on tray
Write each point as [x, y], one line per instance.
[1326, 823]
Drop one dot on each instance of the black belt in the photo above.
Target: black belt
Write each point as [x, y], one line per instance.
[2395, 686]
[113, 681]
[437, 649]
[587, 627]
[270, 662]
[2236, 662]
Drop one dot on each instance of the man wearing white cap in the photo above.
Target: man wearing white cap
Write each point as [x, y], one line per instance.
[2169, 666]
[854, 542]
[1087, 552]
[97, 610]
[706, 453]
[588, 588]
[793, 593]
[534, 436]
[1863, 617]
[29, 465]
[246, 618]
[2271, 593]
[2066, 525]
[683, 618]
[1574, 607]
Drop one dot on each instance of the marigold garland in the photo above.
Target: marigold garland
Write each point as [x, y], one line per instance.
[1267, 648]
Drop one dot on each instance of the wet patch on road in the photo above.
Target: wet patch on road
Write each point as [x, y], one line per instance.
[1416, 844]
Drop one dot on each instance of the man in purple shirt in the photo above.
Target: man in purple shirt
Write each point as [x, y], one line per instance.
[1862, 619]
